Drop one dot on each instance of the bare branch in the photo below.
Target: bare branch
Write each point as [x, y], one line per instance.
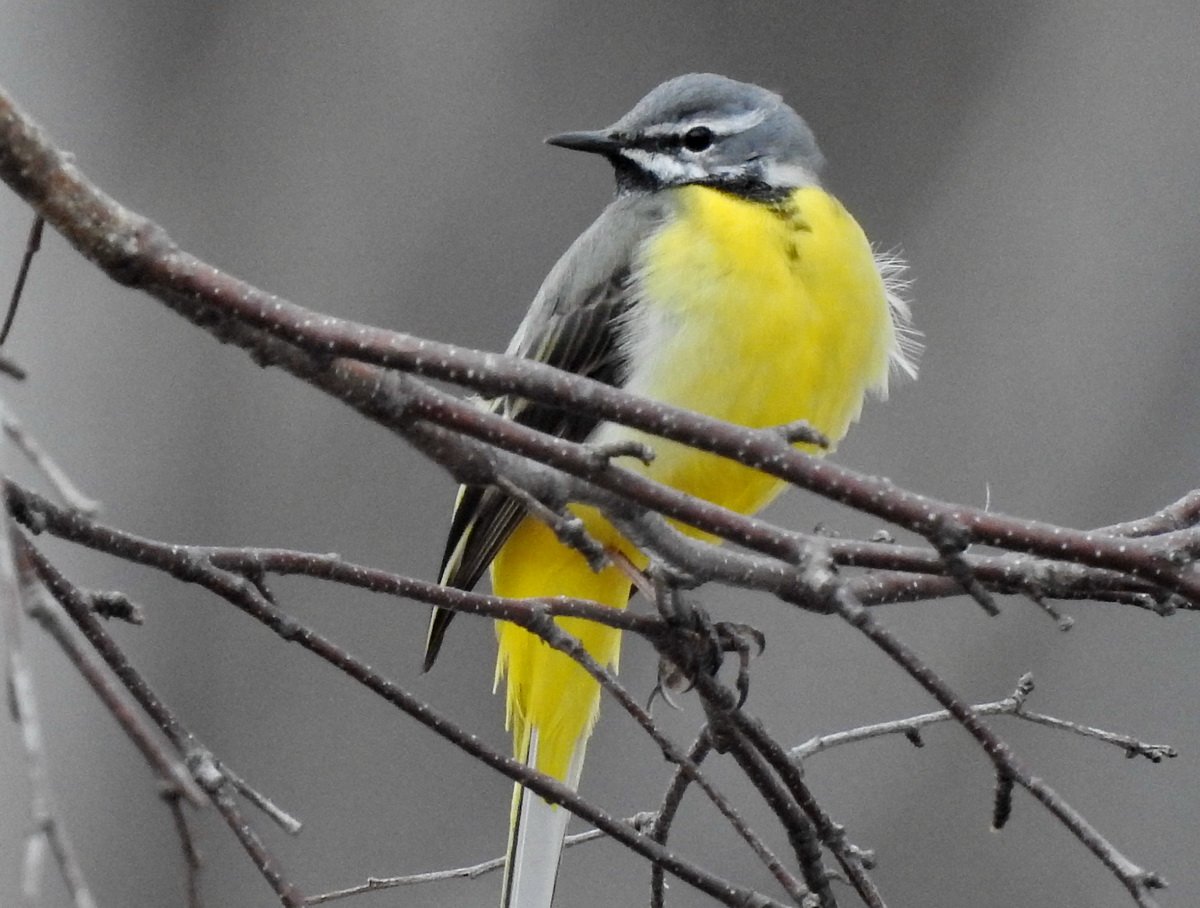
[203, 769]
[192, 861]
[567, 528]
[278, 815]
[1012, 705]
[192, 565]
[1148, 563]
[667, 810]
[1002, 800]
[1178, 515]
[246, 597]
[832, 835]
[474, 871]
[565, 643]
[950, 538]
[32, 245]
[803, 838]
[1137, 881]
[170, 770]
[1132, 747]
[47, 832]
[43, 462]
[135, 251]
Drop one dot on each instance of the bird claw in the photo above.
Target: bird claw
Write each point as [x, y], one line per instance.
[737, 638]
[669, 680]
[703, 644]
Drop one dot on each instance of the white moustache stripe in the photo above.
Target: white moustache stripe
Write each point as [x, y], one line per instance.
[666, 168]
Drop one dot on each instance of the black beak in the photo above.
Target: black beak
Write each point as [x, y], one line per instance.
[599, 141]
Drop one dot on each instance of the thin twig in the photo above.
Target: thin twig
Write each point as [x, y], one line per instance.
[45, 464]
[203, 768]
[246, 597]
[190, 564]
[40, 514]
[277, 814]
[474, 871]
[1136, 880]
[47, 833]
[1132, 747]
[1002, 800]
[45, 514]
[170, 770]
[832, 835]
[32, 245]
[569, 529]
[1176, 516]
[1008, 574]
[801, 816]
[1012, 705]
[1061, 621]
[665, 816]
[800, 832]
[950, 538]
[479, 447]
[192, 860]
[138, 252]
[264, 860]
[565, 643]
[47, 829]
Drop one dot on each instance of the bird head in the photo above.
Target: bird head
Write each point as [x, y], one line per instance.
[706, 129]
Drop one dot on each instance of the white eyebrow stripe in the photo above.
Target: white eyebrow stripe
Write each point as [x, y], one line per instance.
[722, 126]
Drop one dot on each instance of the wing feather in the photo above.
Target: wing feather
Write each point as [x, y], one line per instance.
[574, 324]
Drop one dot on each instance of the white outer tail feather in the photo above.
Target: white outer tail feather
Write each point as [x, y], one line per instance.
[535, 839]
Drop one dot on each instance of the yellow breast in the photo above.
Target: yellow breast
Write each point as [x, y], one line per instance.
[753, 313]
[759, 314]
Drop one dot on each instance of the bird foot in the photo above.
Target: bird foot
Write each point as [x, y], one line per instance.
[700, 644]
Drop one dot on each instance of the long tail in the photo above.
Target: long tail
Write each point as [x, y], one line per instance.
[551, 701]
[535, 839]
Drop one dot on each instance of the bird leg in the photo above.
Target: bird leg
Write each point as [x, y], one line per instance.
[637, 577]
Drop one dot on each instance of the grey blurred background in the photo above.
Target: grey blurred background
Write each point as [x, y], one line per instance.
[1037, 163]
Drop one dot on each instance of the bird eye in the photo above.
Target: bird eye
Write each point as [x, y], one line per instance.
[697, 138]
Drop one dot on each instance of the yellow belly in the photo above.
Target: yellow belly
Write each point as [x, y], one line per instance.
[752, 314]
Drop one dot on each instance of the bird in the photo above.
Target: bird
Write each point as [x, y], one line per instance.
[722, 278]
